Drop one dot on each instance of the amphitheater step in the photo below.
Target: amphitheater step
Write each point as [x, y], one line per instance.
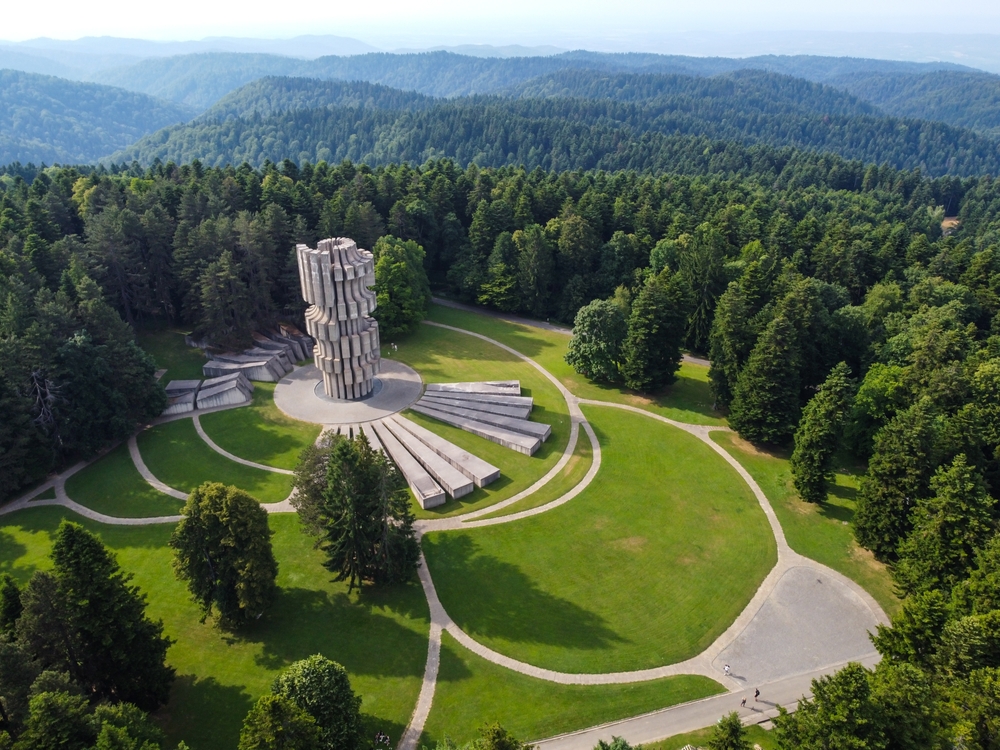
[452, 481]
[514, 440]
[475, 468]
[539, 430]
[428, 492]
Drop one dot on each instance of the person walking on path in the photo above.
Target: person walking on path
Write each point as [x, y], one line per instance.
[726, 670]
[743, 703]
[756, 695]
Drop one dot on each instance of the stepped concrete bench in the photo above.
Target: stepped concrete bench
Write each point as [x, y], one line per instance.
[515, 412]
[539, 430]
[479, 471]
[428, 492]
[451, 480]
[516, 441]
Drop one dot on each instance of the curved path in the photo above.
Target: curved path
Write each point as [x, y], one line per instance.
[222, 451]
[798, 597]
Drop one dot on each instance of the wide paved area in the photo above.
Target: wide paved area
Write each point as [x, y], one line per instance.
[296, 396]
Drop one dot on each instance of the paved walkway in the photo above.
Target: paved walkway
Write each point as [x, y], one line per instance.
[804, 620]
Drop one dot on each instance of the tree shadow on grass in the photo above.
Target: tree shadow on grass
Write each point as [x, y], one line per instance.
[204, 713]
[489, 597]
[837, 512]
[303, 622]
[11, 551]
[844, 493]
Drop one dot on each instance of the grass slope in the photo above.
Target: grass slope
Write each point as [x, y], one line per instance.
[113, 486]
[260, 432]
[381, 638]
[182, 460]
[167, 347]
[440, 356]
[823, 533]
[646, 567]
[471, 691]
[570, 476]
[688, 400]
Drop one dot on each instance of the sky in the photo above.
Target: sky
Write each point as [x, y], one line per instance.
[567, 23]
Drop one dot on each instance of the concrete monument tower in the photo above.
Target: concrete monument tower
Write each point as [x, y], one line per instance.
[337, 279]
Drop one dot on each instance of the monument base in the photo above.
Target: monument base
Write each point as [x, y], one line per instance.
[300, 395]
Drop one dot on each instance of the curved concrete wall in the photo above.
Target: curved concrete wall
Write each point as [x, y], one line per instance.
[337, 279]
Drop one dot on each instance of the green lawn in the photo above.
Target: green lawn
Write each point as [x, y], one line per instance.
[646, 567]
[260, 432]
[755, 734]
[571, 475]
[472, 691]
[442, 356]
[182, 362]
[823, 533]
[688, 400]
[182, 460]
[112, 485]
[380, 638]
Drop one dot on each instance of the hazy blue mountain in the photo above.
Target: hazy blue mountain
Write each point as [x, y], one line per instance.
[14, 59]
[201, 80]
[305, 46]
[969, 100]
[48, 119]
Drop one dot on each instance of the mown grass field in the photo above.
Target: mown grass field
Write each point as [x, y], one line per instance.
[821, 532]
[113, 486]
[472, 691]
[260, 432]
[442, 356]
[646, 567]
[182, 362]
[688, 400]
[182, 460]
[379, 636]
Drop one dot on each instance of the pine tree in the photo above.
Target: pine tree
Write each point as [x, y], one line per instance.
[948, 528]
[898, 476]
[730, 343]
[355, 500]
[222, 549]
[818, 435]
[765, 406]
[652, 349]
[69, 614]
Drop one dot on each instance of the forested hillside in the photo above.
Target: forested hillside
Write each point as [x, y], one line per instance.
[968, 100]
[268, 96]
[45, 119]
[674, 132]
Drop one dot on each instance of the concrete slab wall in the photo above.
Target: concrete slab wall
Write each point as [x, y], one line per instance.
[489, 398]
[514, 440]
[479, 471]
[452, 481]
[428, 493]
[515, 412]
[499, 387]
[523, 426]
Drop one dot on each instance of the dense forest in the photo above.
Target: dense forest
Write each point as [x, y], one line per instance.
[661, 118]
[45, 119]
[961, 98]
[835, 311]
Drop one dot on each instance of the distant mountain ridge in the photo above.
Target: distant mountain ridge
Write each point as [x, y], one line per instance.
[48, 119]
[201, 80]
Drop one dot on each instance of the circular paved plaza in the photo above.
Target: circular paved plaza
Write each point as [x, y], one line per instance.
[298, 396]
